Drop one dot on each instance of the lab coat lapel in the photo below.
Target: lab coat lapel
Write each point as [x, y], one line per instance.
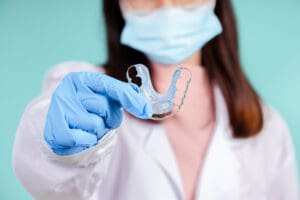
[219, 178]
[159, 148]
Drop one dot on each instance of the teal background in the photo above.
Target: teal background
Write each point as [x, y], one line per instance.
[37, 34]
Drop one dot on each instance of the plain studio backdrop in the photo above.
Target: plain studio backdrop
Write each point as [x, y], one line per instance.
[37, 34]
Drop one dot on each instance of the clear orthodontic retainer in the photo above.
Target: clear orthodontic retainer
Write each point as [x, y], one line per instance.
[164, 105]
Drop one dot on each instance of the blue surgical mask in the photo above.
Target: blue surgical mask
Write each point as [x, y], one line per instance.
[170, 35]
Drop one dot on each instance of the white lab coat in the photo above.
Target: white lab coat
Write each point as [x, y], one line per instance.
[136, 160]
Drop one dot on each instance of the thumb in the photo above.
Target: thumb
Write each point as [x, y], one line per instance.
[128, 95]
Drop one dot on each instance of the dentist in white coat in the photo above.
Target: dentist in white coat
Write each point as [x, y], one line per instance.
[87, 135]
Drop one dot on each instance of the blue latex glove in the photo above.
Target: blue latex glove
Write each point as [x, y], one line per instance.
[85, 106]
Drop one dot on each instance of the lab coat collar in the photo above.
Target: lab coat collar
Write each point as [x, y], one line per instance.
[221, 166]
[220, 162]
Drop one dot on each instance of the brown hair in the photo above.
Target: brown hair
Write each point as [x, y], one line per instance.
[220, 57]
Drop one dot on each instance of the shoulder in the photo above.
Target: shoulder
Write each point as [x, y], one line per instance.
[268, 159]
[274, 140]
[274, 124]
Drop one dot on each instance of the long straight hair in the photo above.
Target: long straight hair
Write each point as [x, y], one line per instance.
[220, 57]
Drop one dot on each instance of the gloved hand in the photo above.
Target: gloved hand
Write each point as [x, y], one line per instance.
[85, 106]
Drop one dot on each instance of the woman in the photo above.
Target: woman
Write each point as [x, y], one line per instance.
[86, 136]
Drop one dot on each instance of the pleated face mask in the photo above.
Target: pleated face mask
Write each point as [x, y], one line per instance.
[164, 105]
[169, 35]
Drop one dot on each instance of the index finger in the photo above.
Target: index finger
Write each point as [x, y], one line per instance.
[128, 95]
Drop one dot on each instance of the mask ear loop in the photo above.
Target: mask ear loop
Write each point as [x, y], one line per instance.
[163, 105]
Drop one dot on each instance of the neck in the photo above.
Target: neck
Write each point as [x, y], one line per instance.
[199, 98]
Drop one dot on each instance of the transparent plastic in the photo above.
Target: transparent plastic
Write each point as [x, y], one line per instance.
[164, 105]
